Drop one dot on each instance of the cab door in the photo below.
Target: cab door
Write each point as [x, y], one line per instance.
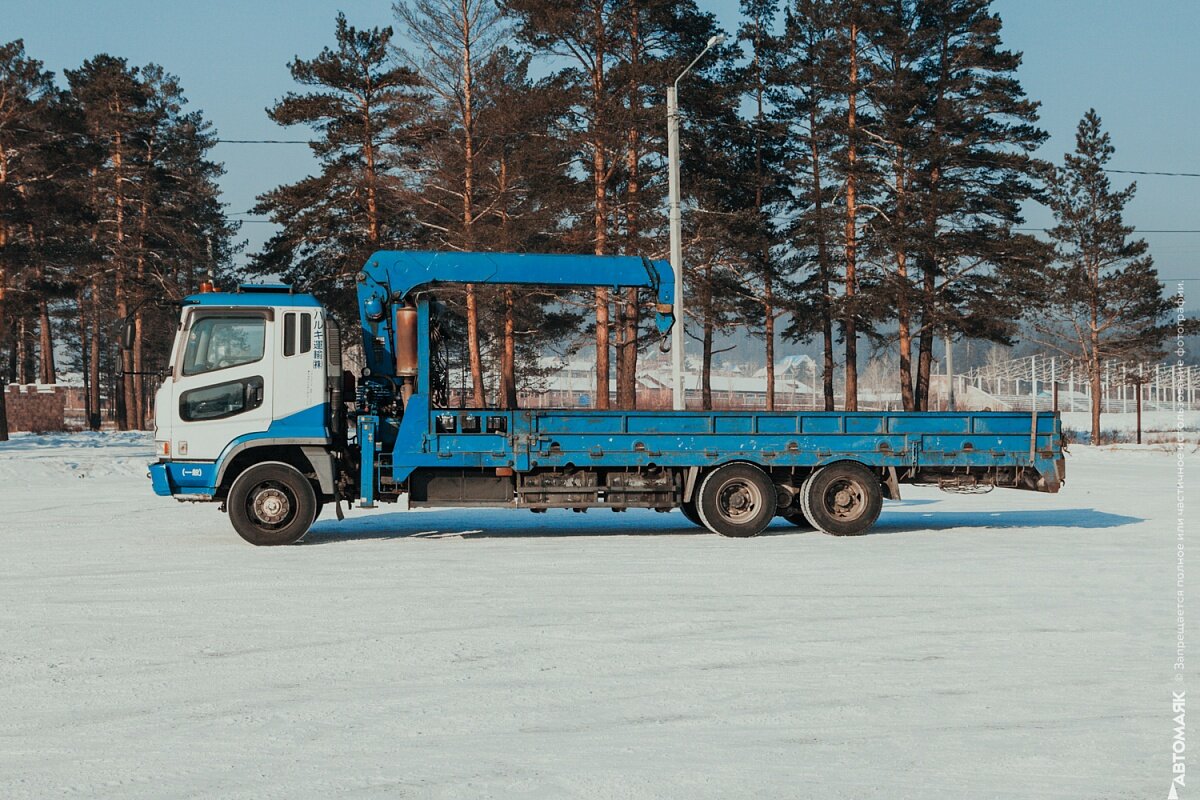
[222, 380]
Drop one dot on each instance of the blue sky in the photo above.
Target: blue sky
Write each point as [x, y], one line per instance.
[1135, 62]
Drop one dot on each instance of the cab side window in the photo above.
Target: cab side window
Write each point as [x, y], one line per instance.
[289, 334]
[293, 326]
[221, 400]
[216, 343]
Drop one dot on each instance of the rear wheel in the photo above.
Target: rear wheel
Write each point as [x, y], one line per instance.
[271, 504]
[689, 512]
[736, 500]
[842, 499]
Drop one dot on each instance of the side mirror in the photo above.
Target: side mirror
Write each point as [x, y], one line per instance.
[127, 334]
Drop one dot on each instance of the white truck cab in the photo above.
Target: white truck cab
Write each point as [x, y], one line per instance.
[250, 382]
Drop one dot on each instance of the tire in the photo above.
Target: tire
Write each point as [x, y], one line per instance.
[736, 500]
[797, 518]
[842, 499]
[690, 513]
[271, 504]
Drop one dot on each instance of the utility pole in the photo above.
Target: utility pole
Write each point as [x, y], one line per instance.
[677, 388]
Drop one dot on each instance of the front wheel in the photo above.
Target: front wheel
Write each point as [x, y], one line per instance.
[271, 504]
[842, 499]
[736, 500]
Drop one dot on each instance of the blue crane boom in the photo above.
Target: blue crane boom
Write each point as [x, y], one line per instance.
[394, 276]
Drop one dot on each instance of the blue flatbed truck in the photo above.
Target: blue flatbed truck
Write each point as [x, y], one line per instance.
[258, 415]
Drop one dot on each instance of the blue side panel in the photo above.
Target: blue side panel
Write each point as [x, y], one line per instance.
[558, 438]
[200, 477]
[303, 424]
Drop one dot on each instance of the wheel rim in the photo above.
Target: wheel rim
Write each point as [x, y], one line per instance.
[845, 499]
[270, 505]
[739, 501]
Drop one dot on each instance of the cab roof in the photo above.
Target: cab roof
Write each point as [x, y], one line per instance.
[255, 294]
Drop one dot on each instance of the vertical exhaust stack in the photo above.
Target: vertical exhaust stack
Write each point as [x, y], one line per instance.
[406, 349]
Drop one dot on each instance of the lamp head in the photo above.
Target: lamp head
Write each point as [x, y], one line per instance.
[715, 40]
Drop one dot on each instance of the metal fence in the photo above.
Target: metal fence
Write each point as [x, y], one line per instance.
[1036, 380]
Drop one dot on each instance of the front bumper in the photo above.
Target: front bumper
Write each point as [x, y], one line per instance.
[159, 479]
[191, 478]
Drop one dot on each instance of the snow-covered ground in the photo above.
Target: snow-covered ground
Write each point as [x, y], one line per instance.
[1013, 645]
[1155, 424]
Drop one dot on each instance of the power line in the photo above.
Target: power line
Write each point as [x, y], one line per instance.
[263, 141]
[1119, 171]
[1147, 172]
[1136, 231]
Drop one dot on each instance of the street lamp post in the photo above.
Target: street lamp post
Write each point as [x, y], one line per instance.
[677, 387]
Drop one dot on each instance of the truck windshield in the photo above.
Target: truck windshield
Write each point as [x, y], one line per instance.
[221, 342]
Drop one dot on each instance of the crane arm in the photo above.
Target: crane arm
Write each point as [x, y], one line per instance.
[390, 278]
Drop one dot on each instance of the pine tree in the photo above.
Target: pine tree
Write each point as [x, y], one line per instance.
[1100, 298]
[587, 35]
[803, 99]
[456, 37]
[368, 114]
[767, 190]
[896, 43]
[524, 187]
[618, 56]
[973, 168]
[113, 101]
[181, 231]
[722, 228]
[24, 87]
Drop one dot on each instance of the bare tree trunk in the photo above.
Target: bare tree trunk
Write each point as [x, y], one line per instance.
[706, 354]
[601, 226]
[3, 335]
[46, 371]
[600, 201]
[1094, 368]
[94, 421]
[479, 393]
[627, 348]
[769, 333]
[83, 357]
[508, 355]
[508, 343]
[930, 261]
[924, 364]
[23, 356]
[3, 306]
[139, 383]
[475, 357]
[905, 340]
[4, 376]
[849, 320]
[763, 257]
[903, 313]
[824, 267]
[125, 358]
